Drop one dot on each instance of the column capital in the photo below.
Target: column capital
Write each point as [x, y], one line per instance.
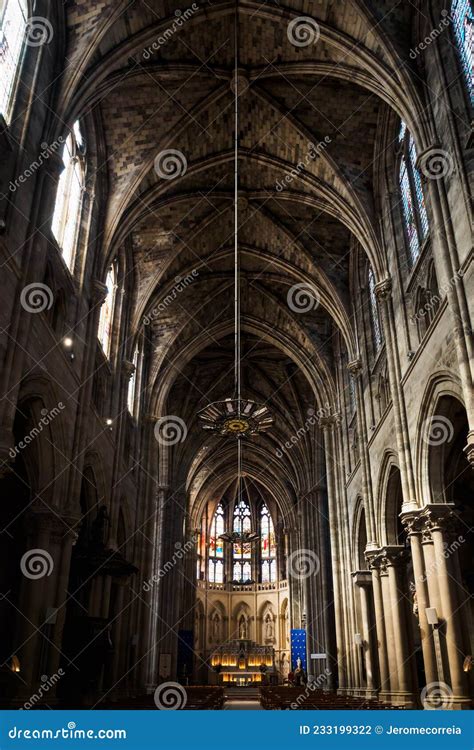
[128, 368]
[411, 521]
[469, 448]
[99, 292]
[329, 421]
[383, 289]
[362, 577]
[355, 366]
[438, 517]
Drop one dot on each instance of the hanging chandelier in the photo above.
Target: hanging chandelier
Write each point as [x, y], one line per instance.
[237, 416]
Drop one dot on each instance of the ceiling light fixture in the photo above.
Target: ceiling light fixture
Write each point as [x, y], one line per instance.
[236, 417]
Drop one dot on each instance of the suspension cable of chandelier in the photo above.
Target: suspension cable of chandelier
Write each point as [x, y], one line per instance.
[236, 216]
[236, 244]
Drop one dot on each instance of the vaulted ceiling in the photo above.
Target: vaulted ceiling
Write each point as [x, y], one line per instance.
[149, 91]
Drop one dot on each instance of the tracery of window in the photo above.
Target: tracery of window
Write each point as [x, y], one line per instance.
[216, 547]
[132, 383]
[267, 547]
[107, 311]
[242, 552]
[67, 209]
[374, 312]
[463, 26]
[12, 33]
[415, 218]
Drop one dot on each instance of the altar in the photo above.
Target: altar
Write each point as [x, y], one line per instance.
[243, 662]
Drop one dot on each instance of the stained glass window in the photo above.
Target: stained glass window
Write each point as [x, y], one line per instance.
[420, 199]
[267, 546]
[67, 208]
[216, 547]
[242, 552]
[12, 32]
[107, 311]
[415, 218]
[463, 25]
[374, 312]
[132, 384]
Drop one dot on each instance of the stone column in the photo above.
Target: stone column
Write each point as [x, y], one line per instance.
[393, 560]
[355, 368]
[383, 290]
[421, 599]
[374, 565]
[328, 425]
[363, 581]
[439, 522]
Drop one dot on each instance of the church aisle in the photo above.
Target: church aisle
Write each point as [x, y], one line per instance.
[233, 705]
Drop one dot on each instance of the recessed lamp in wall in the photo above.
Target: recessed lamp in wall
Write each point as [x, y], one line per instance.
[68, 344]
[109, 422]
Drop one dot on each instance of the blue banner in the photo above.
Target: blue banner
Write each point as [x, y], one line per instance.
[298, 648]
[275, 730]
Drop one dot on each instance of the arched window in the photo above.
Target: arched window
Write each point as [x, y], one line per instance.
[267, 547]
[463, 26]
[67, 209]
[12, 33]
[374, 312]
[413, 203]
[132, 384]
[216, 547]
[242, 552]
[107, 312]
